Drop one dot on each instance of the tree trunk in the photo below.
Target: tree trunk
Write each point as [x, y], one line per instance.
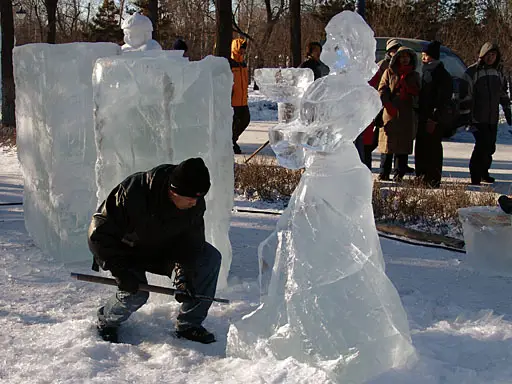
[51, 10]
[153, 16]
[8, 94]
[224, 35]
[295, 33]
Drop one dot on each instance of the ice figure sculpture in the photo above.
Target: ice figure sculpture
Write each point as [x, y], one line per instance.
[286, 86]
[55, 140]
[162, 108]
[329, 302]
[137, 31]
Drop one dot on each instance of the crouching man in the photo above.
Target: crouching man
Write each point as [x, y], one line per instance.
[153, 222]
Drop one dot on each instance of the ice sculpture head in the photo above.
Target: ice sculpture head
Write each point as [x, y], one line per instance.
[350, 45]
[137, 30]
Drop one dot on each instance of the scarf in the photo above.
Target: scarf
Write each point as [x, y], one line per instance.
[428, 69]
[406, 90]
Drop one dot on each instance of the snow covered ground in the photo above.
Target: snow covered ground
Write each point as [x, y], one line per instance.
[461, 321]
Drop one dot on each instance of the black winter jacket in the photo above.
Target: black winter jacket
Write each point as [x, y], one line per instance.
[319, 68]
[435, 95]
[484, 88]
[138, 226]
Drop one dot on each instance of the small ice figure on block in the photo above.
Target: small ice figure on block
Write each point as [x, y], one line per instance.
[159, 108]
[55, 140]
[137, 31]
[329, 302]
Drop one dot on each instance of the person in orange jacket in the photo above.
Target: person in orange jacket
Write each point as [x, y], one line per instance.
[241, 114]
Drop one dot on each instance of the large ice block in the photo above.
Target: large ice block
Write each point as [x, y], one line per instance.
[55, 140]
[164, 109]
[329, 301]
[488, 238]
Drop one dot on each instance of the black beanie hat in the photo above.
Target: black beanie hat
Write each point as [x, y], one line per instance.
[180, 45]
[433, 49]
[190, 178]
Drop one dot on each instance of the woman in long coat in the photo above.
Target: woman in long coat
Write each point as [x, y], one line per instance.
[399, 89]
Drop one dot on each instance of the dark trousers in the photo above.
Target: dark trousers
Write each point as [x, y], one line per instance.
[485, 146]
[369, 148]
[241, 120]
[119, 307]
[386, 162]
[428, 153]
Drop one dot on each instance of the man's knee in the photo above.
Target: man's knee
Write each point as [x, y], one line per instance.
[213, 255]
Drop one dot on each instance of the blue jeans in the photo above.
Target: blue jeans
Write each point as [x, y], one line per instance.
[119, 307]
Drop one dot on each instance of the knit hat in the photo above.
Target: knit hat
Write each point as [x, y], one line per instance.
[180, 45]
[392, 44]
[433, 49]
[190, 178]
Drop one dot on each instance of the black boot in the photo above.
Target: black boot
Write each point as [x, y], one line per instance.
[505, 203]
[197, 334]
[108, 333]
[237, 149]
[488, 179]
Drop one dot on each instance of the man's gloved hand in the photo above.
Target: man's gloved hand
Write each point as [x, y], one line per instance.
[184, 289]
[126, 281]
[508, 116]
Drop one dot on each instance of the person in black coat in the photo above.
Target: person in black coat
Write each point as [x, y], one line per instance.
[153, 222]
[434, 103]
[313, 60]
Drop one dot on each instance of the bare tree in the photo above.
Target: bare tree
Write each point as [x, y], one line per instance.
[295, 33]
[51, 10]
[8, 93]
[223, 18]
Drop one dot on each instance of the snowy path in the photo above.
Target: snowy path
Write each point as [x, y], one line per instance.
[457, 152]
[461, 321]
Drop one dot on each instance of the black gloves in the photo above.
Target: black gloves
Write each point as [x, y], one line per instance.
[183, 282]
[126, 281]
[508, 116]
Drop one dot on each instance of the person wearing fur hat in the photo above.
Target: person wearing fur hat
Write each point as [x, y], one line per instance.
[433, 115]
[399, 90]
[153, 222]
[371, 133]
[482, 91]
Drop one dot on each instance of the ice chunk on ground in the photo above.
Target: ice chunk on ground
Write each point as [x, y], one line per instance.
[163, 109]
[488, 238]
[55, 140]
[350, 45]
[329, 301]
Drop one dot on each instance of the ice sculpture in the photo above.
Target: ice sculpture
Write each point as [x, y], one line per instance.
[488, 238]
[137, 31]
[285, 86]
[164, 109]
[55, 140]
[329, 302]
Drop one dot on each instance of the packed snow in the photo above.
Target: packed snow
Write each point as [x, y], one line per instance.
[461, 322]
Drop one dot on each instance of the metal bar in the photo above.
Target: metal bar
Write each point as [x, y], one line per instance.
[142, 287]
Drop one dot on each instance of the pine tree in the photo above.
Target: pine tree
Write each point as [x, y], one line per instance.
[105, 25]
